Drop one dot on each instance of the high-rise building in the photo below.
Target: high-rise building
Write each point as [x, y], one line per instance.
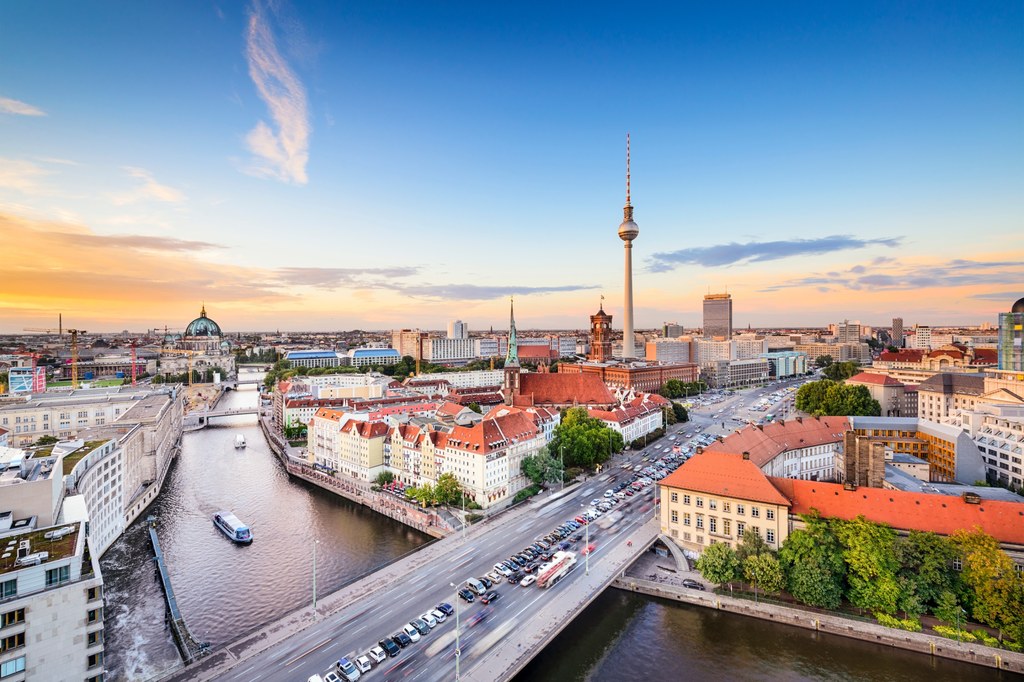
[408, 342]
[897, 332]
[628, 231]
[922, 337]
[672, 330]
[848, 332]
[718, 316]
[1011, 337]
[457, 329]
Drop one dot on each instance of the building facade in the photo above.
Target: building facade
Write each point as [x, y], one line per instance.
[1011, 338]
[718, 316]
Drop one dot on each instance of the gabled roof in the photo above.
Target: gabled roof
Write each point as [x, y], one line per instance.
[902, 355]
[943, 514]
[954, 382]
[764, 443]
[726, 474]
[986, 356]
[491, 435]
[874, 379]
[365, 429]
[565, 389]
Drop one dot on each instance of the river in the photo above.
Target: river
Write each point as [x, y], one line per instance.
[226, 590]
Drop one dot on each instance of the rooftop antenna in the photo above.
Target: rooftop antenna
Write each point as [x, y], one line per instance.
[627, 169]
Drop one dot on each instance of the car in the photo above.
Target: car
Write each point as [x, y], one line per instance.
[466, 595]
[515, 578]
[630, 493]
[528, 580]
[411, 631]
[486, 581]
[390, 646]
[502, 569]
[329, 676]
[363, 663]
[495, 577]
[348, 670]
[530, 567]
[564, 545]
[446, 608]
[596, 500]
[693, 584]
[589, 549]
[377, 654]
[621, 495]
[420, 625]
[401, 639]
[439, 616]
[607, 493]
[490, 597]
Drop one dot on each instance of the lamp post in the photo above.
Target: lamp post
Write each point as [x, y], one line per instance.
[586, 548]
[458, 652]
[561, 459]
[315, 543]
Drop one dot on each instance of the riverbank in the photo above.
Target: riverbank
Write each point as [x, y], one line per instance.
[648, 576]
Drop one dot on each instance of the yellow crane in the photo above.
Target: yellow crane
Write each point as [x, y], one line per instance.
[189, 353]
[74, 348]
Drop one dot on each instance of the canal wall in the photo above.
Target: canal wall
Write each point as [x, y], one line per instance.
[919, 642]
[360, 492]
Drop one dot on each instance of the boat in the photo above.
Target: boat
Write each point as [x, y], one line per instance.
[229, 524]
[239, 441]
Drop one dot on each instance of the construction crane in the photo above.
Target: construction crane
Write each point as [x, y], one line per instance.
[189, 353]
[74, 348]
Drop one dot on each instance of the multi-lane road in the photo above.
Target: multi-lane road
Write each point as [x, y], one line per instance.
[383, 610]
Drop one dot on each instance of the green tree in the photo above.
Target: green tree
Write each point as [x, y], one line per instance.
[812, 560]
[947, 607]
[828, 398]
[47, 440]
[673, 388]
[681, 414]
[892, 349]
[869, 550]
[384, 477]
[475, 407]
[542, 468]
[926, 560]
[823, 361]
[840, 371]
[670, 415]
[584, 441]
[996, 597]
[718, 564]
[764, 572]
[751, 544]
[447, 489]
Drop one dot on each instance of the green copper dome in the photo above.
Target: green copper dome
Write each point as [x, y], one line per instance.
[203, 326]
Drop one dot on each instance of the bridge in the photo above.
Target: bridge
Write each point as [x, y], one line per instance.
[494, 642]
[190, 648]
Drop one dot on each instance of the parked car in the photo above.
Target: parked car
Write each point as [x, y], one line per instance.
[377, 653]
[411, 631]
[439, 616]
[503, 569]
[363, 663]
[490, 597]
[692, 584]
[401, 639]
[446, 608]
[390, 646]
[486, 581]
[466, 595]
[528, 580]
[420, 625]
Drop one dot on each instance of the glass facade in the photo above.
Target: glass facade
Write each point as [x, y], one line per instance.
[718, 316]
[1011, 334]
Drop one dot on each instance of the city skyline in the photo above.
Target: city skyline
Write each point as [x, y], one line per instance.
[320, 168]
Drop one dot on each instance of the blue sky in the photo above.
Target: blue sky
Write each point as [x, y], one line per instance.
[330, 165]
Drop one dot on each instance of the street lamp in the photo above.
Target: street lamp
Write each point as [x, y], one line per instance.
[458, 652]
[315, 543]
[586, 548]
[561, 459]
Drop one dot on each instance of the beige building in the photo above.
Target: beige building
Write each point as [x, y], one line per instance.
[347, 443]
[941, 395]
[51, 606]
[715, 497]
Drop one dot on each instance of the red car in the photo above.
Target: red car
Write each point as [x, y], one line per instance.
[589, 548]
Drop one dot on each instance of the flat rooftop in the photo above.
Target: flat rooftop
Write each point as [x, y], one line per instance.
[57, 549]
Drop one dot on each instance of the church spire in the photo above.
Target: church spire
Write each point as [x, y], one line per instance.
[512, 359]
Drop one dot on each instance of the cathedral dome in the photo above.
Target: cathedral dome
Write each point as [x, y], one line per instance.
[1018, 307]
[203, 326]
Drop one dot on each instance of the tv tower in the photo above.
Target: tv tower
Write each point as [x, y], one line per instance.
[628, 231]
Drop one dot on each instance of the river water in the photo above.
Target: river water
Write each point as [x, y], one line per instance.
[225, 590]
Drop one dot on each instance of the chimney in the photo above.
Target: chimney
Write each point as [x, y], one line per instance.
[799, 420]
[849, 485]
[699, 450]
[746, 455]
[972, 498]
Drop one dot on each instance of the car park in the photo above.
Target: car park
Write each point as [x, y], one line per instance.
[363, 663]
[490, 597]
[390, 646]
[420, 625]
[411, 631]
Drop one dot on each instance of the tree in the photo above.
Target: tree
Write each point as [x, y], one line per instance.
[993, 585]
[585, 441]
[673, 388]
[764, 571]
[681, 414]
[869, 550]
[447, 489]
[925, 561]
[823, 361]
[812, 560]
[46, 440]
[840, 371]
[718, 564]
[384, 477]
[892, 349]
[751, 544]
[947, 607]
[542, 468]
[828, 398]
[475, 407]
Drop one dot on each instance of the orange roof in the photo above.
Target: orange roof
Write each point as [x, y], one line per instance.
[764, 443]
[366, 429]
[875, 379]
[943, 514]
[565, 389]
[494, 434]
[986, 356]
[726, 474]
[535, 353]
[902, 355]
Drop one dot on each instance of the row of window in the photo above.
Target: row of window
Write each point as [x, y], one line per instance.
[741, 509]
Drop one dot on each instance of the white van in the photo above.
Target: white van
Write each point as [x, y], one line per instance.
[476, 586]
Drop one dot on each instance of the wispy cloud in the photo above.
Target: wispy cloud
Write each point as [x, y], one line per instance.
[892, 276]
[21, 175]
[1007, 296]
[475, 292]
[148, 190]
[281, 150]
[19, 108]
[332, 278]
[754, 252]
[134, 241]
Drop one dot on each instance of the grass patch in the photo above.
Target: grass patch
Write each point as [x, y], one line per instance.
[58, 549]
[75, 457]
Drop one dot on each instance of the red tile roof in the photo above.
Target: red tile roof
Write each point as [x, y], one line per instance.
[491, 435]
[726, 474]
[875, 379]
[986, 356]
[943, 514]
[902, 355]
[565, 389]
[529, 353]
[767, 442]
[365, 429]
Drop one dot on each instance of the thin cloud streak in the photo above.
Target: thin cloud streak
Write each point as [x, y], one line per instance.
[283, 151]
[332, 278]
[19, 108]
[475, 292]
[756, 252]
[21, 175]
[894, 277]
[149, 190]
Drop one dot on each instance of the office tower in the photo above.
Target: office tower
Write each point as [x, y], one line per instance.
[1011, 336]
[718, 316]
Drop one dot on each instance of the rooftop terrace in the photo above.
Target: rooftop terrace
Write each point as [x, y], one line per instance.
[61, 548]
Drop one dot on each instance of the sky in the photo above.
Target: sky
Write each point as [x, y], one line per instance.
[341, 165]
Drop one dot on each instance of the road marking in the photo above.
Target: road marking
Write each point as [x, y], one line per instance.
[309, 651]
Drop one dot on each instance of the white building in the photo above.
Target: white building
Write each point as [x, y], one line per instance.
[998, 431]
[374, 357]
[457, 329]
[710, 351]
[51, 607]
[490, 347]
[669, 350]
[315, 358]
[922, 337]
[474, 379]
[750, 346]
[446, 350]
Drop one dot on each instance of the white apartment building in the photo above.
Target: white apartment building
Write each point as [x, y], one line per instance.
[635, 419]
[922, 337]
[441, 350]
[347, 443]
[710, 351]
[750, 346]
[669, 350]
[490, 347]
[51, 606]
[998, 431]
[457, 329]
[474, 379]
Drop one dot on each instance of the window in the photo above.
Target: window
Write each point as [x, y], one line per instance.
[56, 576]
[94, 593]
[700, 501]
[95, 615]
[740, 509]
[95, 660]
[9, 588]
[700, 520]
[713, 524]
[726, 507]
[686, 519]
[755, 512]
[95, 678]
[769, 514]
[12, 642]
[675, 516]
[726, 526]
[675, 497]
[12, 618]
[8, 668]
[740, 527]
[769, 536]
[686, 499]
[958, 564]
[712, 504]
[95, 638]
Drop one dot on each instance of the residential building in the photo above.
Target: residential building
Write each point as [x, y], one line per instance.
[1011, 338]
[922, 338]
[669, 350]
[892, 394]
[635, 418]
[457, 329]
[848, 332]
[375, 357]
[951, 454]
[315, 358]
[807, 448]
[998, 431]
[347, 443]
[474, 379]
[718, 316]
[749, 346]
[450, 350]
[730, 374]
[839, 352]
[711, 351]
[408, 342]
[942, 394]
[715, 497]
[897, 332]
[672, 330]
[51, 606]
[785, 364]
[490, 347]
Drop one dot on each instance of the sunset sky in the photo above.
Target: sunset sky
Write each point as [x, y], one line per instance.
[330, 165]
